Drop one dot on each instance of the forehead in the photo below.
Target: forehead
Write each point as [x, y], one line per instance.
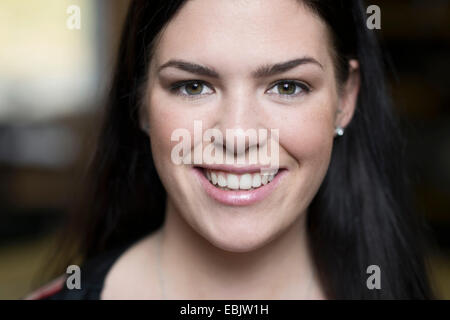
[240, 33]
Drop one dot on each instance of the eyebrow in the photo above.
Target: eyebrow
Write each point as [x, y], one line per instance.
[261, 72]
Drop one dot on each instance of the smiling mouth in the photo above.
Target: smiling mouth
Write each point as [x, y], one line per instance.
[238, 186]
[232, 182]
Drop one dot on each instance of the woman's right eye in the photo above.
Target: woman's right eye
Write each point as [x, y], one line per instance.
[191, 88]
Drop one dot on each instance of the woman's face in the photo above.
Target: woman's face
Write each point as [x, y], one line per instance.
[236, 43]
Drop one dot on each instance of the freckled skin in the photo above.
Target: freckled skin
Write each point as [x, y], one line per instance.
[234, 38]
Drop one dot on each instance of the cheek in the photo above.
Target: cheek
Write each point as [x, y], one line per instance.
[307, 137]
[307, 134]
[166, 114]
[164, 119]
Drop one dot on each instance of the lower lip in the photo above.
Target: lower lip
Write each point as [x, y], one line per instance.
[239, 197]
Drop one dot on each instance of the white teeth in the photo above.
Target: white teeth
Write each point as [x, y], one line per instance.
[222, 180]
[245, 181]
[232, 181]
[256, 181]
[264, 179]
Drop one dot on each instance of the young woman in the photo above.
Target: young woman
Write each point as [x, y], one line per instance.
[335, 206]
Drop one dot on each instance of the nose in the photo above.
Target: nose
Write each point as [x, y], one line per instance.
[240, 121]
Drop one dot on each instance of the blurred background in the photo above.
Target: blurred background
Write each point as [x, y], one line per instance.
[53, 82]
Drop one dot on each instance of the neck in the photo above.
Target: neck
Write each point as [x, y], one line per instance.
[193, 268]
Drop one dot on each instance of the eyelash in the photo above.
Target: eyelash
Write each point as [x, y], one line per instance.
[305, 89]
[175, 87]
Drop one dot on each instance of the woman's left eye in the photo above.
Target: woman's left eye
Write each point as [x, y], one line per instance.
[289, 88]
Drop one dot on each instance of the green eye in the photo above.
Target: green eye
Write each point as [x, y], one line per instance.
[191, 88]
[194, 88]
[289, 88]
[286, 88]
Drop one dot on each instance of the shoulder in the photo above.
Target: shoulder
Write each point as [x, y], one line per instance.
[92, 275]
[134, 273]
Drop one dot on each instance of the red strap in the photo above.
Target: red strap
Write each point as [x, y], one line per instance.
[47, 290]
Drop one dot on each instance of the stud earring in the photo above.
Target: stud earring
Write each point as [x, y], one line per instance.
[339, 131]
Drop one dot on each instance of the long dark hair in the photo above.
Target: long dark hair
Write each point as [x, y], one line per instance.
[360, 215]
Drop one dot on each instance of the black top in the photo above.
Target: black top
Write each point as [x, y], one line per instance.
[93, 273]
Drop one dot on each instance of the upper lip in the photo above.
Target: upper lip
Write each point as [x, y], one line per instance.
[237, 169]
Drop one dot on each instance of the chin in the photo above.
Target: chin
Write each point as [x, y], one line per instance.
[239, 238]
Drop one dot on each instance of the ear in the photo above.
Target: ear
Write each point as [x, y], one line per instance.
[348, 96]
[143, 119]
